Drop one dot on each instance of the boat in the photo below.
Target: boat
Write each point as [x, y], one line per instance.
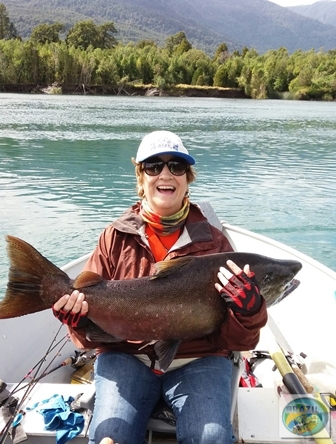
[298, 339]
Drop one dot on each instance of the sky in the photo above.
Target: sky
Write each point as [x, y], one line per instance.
[293, 2]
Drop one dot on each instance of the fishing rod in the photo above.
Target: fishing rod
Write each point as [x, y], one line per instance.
[78, 360]
[294, 360]
[292, 382]
[38, 365]
[14, 402]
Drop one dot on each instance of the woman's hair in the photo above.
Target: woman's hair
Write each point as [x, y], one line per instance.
[139, 172]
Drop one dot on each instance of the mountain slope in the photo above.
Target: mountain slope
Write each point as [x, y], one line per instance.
[259, 23]
[324, 11]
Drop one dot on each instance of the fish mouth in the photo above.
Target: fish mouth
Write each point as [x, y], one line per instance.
[288, 289]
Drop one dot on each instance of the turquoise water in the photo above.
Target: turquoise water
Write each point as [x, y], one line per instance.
[65, 169]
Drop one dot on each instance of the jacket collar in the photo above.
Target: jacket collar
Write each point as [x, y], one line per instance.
[196, 229]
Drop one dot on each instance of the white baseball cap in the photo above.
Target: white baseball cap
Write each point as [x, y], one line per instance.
[162, 142]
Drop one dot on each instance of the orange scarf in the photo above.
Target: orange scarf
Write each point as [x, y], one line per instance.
[164, 225]
[160, 245]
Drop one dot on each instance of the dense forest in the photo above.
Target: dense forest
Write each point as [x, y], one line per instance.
[90, 55]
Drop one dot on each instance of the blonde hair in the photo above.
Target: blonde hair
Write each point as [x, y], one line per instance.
[139, 172]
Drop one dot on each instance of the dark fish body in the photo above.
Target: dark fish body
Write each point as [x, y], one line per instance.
[178, 302]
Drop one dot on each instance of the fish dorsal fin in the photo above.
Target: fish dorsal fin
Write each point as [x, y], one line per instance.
[165, 268]
[87, 279]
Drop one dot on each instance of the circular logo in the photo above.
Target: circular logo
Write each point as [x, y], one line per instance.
[305, 416]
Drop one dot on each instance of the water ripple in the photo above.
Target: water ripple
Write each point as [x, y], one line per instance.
[65, 169]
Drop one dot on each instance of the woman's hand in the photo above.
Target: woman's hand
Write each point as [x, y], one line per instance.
[240, 290]
[72, 309]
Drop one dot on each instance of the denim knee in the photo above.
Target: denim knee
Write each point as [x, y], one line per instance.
[212, 433]
[126, 393]
[200, 395]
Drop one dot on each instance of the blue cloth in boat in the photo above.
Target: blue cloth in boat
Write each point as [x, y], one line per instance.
[58, 416]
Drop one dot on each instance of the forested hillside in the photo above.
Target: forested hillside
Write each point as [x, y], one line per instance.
[260, 24]
[324, 11]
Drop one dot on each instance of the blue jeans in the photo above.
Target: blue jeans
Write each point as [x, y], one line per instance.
[127, 391]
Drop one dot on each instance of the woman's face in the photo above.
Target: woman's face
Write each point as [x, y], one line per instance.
[165, 192]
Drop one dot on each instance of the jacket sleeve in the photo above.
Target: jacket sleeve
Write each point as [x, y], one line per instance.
[100, 259]
[100, 263]
[241, 333]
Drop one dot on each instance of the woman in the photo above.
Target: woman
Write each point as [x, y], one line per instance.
[164, 226]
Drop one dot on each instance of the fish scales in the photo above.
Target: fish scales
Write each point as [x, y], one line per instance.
[178, 302]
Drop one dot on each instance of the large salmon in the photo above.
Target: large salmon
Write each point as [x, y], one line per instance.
[178, 302]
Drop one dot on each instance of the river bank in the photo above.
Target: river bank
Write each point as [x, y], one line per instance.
[126, 89]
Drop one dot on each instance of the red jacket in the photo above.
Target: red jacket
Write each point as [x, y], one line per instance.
[123, 253]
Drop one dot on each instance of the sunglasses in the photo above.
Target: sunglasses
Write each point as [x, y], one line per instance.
[175, 167]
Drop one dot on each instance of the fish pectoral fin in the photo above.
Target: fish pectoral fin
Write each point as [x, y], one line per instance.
[165, 268]
[87, 279]
[96, 334]
[165, 352]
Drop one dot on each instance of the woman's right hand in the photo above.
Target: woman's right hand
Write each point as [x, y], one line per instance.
[72, 309]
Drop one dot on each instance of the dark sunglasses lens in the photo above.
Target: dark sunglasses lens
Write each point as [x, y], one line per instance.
[153, 168]
[177, 168]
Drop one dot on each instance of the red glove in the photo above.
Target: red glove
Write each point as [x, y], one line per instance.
[242, 294]
[76, 320]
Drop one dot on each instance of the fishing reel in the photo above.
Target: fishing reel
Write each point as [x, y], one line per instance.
[79, 359]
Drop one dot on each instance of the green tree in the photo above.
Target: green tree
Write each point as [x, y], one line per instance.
[23, 62]
[47, 67]
[7, 71]
[196, 67]
[127, 63]
[106, 73]
[144, 68]
[275, 63]
[221, 53]
[146, 42]
[7, 28]
[228, 73]
[45, 33]
[178, 43]
[147, 55]
[106, 31]
[85, 33]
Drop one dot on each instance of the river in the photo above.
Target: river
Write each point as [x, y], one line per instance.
[65, 168]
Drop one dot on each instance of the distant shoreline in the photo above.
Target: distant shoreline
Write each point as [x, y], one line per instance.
[126, 90]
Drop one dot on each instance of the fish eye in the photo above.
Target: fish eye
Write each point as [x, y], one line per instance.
[267, 279]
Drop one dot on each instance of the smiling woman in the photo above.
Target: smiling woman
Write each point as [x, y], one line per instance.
[168, 172]
[132, 375]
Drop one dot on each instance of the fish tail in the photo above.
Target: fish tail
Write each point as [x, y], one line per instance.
[27, 270]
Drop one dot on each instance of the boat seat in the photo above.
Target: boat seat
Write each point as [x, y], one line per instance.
[158, 425]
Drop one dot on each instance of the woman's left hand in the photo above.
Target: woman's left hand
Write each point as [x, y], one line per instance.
[240, 290]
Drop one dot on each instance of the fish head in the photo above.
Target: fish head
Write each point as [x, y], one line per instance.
[275, 277]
